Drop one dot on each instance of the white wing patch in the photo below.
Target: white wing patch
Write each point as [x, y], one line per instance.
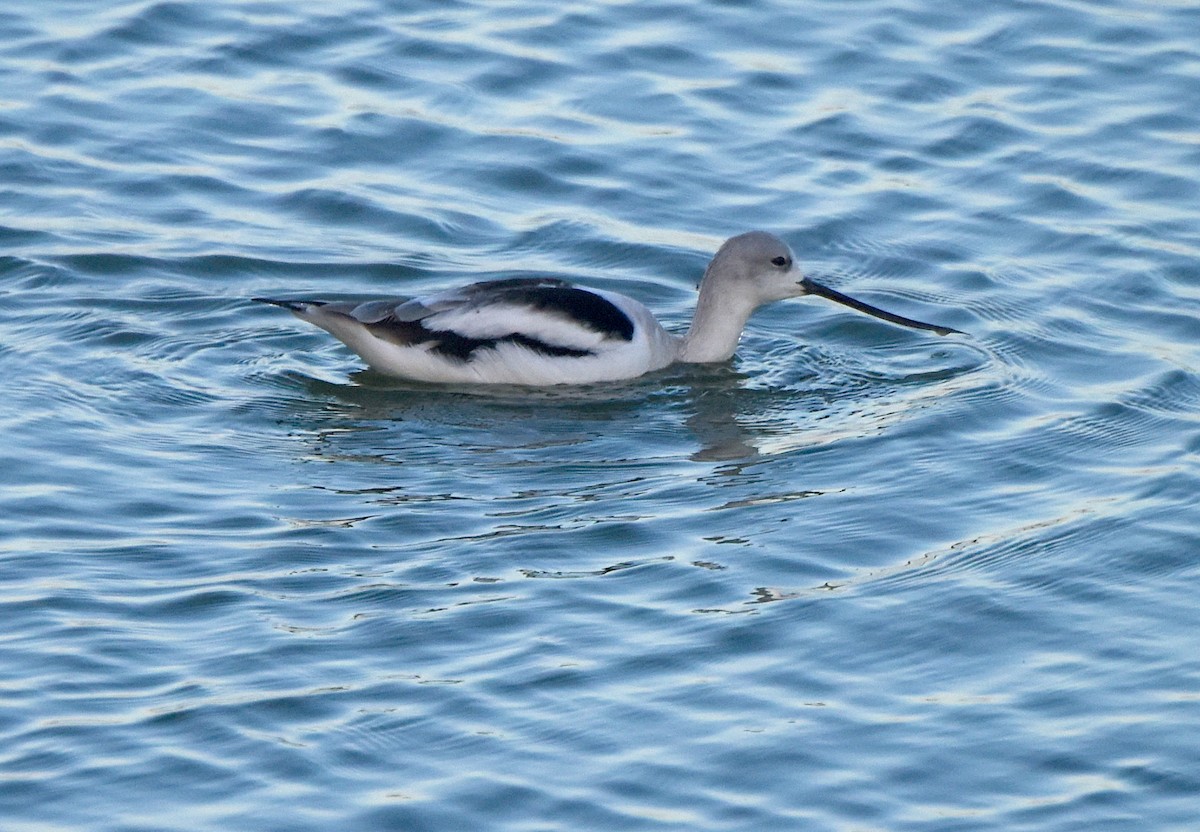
[504, 319]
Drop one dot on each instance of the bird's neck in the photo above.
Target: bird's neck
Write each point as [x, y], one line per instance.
[716, 327]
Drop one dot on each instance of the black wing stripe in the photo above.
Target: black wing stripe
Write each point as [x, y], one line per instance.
[556, 297]
[588, 308]
[460, 347]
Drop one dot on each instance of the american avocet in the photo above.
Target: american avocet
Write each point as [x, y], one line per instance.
[546, 331]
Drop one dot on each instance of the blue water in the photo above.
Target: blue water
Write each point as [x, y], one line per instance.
[862, 578]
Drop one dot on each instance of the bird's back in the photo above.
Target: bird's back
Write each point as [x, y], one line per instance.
[514, 331]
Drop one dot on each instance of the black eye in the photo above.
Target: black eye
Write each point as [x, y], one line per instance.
[779, 261]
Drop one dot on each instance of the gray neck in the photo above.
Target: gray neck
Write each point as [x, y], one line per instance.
[716, 327]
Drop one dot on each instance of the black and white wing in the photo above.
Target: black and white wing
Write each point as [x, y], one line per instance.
[544, 315]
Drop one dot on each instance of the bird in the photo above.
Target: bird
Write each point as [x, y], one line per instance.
[542, 331]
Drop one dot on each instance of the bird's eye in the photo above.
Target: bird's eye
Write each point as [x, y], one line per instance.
[779, 261]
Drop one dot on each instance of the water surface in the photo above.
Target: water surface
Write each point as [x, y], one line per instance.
[862, 578]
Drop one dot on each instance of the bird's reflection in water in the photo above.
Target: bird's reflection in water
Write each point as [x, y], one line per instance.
[645, 465]
[710, 401]
[728, 416]
[714, 424]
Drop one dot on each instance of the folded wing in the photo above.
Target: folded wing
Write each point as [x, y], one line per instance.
[547, 316]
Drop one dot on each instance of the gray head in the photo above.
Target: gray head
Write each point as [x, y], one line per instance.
[761, 268]
[757, 265]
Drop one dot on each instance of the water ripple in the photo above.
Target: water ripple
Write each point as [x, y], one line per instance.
[252, 585]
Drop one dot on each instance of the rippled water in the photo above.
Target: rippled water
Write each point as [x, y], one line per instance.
[862, 579]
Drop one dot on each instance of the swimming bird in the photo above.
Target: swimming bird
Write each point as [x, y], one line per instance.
[543, 331]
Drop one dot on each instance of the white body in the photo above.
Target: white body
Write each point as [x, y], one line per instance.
[651, 347]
